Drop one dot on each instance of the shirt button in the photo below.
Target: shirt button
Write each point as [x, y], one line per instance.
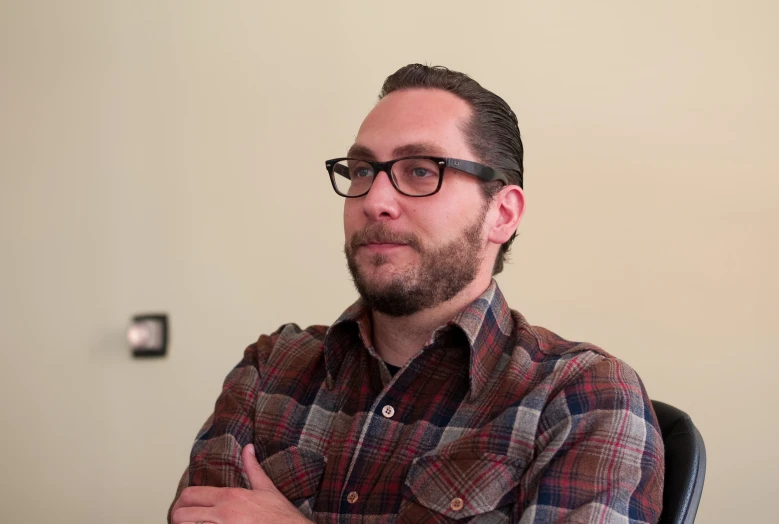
[388, 411]
[456, 504]
[352, 497]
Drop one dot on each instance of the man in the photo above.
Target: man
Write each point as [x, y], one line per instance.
[428, 400]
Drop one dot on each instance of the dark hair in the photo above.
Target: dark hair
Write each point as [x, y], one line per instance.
[492, 132]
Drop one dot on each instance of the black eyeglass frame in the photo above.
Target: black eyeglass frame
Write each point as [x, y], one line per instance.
[480, 171]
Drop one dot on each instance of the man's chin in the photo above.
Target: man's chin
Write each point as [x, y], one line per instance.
[381, 278]
[381, 267]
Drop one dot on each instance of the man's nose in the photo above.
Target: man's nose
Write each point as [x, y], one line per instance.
[382, 199]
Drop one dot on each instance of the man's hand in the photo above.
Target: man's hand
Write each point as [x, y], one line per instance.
[263, 503]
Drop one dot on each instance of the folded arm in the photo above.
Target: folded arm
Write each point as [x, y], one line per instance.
[215, 459]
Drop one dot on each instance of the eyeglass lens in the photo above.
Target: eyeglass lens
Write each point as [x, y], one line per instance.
[413, 176]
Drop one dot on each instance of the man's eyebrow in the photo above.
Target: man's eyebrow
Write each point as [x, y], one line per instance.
[421, 148]
[362, 152]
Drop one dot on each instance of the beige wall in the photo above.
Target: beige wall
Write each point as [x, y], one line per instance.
[169, 156]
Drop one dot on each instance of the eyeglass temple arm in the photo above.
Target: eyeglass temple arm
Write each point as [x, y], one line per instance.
[342, 170]
[478, 170]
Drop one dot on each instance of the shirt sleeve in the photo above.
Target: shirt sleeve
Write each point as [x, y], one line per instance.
[599, 452]
[215, 459]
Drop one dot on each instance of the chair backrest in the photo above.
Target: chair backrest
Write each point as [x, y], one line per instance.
[685, 464]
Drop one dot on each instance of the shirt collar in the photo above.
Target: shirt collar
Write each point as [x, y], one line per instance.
[354, 324]
[487, 323]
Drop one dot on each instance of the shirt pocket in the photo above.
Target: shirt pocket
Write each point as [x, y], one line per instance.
[447, 489]
[296, 472]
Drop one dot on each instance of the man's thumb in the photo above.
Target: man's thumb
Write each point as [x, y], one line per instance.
[257, 477]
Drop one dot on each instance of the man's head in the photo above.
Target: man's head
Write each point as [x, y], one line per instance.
[407, 253]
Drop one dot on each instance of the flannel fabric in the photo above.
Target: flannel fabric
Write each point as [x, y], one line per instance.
[493, 421]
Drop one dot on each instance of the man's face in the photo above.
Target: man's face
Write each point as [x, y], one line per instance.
[407, 254]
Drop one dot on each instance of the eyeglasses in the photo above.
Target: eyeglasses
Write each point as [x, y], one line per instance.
[414, 176]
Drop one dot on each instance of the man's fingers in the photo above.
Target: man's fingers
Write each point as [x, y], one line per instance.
[194, 515]
[202, 496]
[257, 477]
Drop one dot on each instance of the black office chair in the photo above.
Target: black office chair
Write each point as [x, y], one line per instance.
[685, 465]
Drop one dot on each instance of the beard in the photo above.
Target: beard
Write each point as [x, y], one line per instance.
[441, 274]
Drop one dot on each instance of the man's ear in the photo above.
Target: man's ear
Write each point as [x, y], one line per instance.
[508, 206]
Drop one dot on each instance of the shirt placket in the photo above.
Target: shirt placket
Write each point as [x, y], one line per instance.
[382, 409]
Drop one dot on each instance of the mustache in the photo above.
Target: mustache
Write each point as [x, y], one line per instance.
[378, 233]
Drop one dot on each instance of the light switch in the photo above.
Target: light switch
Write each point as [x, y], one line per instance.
[148, 335]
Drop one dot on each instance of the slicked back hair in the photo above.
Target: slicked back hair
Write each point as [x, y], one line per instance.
[492, 132]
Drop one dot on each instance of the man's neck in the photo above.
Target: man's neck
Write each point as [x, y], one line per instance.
[397, 339]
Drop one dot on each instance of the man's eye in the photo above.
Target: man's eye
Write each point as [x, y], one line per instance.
[421, 172]
[361, 172]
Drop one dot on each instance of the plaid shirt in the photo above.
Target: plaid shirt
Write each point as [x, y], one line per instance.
[493, 421]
